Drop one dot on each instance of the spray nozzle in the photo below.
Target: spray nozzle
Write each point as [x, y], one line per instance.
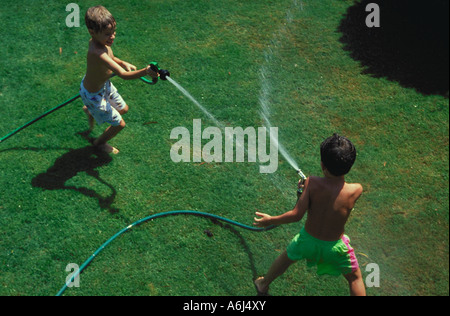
[301, 174]
[163, 73]
[301, 184]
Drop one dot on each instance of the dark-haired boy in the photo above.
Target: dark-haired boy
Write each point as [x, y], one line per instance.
[101, 100]
[328, 202]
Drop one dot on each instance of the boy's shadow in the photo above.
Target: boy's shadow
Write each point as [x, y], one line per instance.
[85, 159]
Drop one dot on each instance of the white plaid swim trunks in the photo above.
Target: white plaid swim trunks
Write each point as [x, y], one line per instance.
[104, 105]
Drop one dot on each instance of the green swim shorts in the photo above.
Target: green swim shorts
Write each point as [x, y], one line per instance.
[331, 257]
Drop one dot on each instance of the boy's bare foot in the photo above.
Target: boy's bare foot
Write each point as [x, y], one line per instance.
[260, 288]
[107, 148]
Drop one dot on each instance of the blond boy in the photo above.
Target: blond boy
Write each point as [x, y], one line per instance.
[102, 102]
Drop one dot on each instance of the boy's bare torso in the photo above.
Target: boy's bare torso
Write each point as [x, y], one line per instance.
[97, 72]
[330, 204]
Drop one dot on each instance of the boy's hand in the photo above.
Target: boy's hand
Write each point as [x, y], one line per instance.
[152, 73]
[128, 66]
[263, 221]
[301, 184]
[300, 187]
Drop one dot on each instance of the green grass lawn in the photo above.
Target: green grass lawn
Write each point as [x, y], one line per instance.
[59, 201]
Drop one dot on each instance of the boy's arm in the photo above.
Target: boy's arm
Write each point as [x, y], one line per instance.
[291, 216]
[122, 73]
[127, 66]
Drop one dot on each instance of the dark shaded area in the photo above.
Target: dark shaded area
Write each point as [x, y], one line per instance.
[411, 46]
[85, 159]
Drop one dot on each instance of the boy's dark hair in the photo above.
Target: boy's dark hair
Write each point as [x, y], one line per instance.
[98, 18]
[338, 154]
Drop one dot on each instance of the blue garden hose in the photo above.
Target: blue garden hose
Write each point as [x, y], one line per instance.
[151, 217]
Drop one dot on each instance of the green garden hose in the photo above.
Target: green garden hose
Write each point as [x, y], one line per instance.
[59, 106]
[151, 217]
[39, 117]
[143, 220]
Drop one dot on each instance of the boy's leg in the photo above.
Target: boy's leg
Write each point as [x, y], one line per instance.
[356, 283]
[124, 110]
[110, 133]
[107, 135]
[279, 266]
[90, 118]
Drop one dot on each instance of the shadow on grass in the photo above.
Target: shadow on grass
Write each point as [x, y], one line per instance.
[244, 245]
[85, 159]
[411, 46]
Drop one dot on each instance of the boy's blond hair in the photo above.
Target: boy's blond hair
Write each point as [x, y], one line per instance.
[98, 18]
